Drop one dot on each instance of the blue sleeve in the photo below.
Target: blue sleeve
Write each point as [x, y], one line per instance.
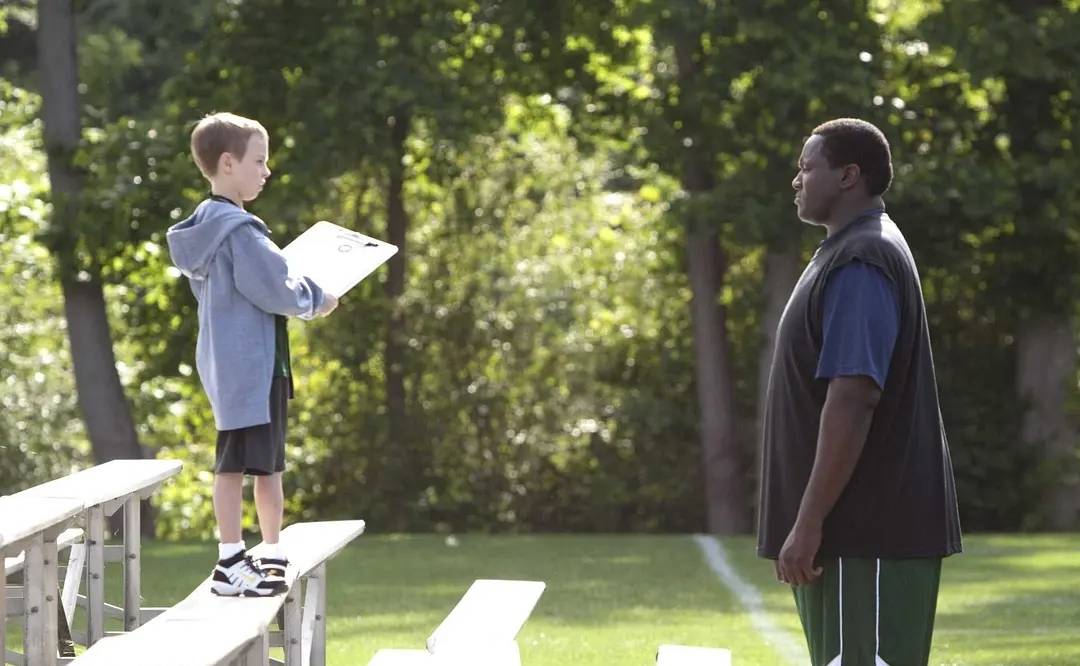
[861, 319]
[262, 276]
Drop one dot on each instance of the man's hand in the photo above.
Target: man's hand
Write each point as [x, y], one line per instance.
[329, 303]
[795, 566]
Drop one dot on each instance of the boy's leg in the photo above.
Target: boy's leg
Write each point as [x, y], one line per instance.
[270, 505]
[228, 505]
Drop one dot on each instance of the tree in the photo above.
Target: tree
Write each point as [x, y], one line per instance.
[1007, 151]
[101, 396]
[380, 71]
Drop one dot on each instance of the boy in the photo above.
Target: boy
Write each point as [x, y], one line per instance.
[244, 293]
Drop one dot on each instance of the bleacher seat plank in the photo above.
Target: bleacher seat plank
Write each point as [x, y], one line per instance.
[108, 481]
[480, 630]
[205, 642]
[685, 655]
[176, 633]
[70, 536]
[490, 612]
[22, 517]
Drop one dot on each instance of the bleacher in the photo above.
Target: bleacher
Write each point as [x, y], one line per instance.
[37, 524]
[206, 630]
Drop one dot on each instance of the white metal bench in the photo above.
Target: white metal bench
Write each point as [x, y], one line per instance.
[31, 526]
[102, 490]
[683, 655]
[481, 630]
[207, 630]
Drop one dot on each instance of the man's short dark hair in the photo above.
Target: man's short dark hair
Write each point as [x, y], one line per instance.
[854, 141]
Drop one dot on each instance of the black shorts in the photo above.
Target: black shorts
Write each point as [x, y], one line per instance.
[258, 450]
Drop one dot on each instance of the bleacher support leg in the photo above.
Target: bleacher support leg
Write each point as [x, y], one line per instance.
[259, 652]
[291, 628]
[132, 557]
[95, 575]
[41, 604]
[69, 597]
[315, 618]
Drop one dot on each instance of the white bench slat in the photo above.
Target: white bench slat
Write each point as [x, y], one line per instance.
[176, 633]
[491, 612]
[684, 655]
[22, 517]
[67, 538]
[175, 643]
[479, 631]
[108, 481]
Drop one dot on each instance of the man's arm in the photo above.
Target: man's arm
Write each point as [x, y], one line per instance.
[845, 422]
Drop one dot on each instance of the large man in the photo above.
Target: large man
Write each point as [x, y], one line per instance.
[858, 505]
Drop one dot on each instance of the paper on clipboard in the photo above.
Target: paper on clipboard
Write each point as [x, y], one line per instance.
[336, 258]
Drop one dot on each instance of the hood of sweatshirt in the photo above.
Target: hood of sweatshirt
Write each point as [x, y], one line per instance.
[194, 242]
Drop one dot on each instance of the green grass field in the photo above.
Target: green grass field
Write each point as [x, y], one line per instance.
[611, 600]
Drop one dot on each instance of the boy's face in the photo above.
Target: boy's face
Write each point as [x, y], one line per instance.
[248, 175]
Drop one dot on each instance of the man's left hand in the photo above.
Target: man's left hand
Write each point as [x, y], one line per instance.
[795, 566]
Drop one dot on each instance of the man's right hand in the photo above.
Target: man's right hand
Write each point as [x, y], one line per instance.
[330, 302]
[795, 565]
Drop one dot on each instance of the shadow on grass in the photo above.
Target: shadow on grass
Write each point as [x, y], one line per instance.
[1010, 599]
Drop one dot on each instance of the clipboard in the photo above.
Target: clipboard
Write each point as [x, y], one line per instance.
[334, 257]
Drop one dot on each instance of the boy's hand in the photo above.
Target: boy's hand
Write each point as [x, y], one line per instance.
[329, 303]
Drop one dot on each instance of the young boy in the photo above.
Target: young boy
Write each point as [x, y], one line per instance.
[244, 293]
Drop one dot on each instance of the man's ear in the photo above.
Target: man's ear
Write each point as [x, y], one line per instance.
[850, 176]
[225, 162]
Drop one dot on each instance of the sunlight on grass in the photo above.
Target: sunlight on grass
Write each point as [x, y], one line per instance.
[1010, 600]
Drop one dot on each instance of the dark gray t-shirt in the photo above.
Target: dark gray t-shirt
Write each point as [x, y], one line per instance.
[901, 498]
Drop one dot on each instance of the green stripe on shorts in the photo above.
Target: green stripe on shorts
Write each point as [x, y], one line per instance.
[870, 612]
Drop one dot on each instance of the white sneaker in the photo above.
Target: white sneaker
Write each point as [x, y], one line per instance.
[240, 576]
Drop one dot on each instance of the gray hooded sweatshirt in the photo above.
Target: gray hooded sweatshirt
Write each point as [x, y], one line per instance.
[240, 280]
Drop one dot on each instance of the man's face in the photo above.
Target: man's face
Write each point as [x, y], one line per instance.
[249, 174]
[817, 185]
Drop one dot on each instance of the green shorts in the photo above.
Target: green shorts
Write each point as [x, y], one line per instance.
[870, 612]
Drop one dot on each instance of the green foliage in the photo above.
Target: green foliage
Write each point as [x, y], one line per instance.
[548, 361]
[531, 365]
[40, 434]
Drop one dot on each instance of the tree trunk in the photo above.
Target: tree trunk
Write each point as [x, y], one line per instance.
[725, 497]
[101, 396]
[1046, 366]
[397, 228]
[105, 409]
[1046, 350]
[781, 274]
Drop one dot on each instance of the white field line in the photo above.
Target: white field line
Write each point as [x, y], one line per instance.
[793, 653]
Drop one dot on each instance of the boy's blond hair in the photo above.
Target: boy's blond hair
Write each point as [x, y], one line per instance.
[220, 133]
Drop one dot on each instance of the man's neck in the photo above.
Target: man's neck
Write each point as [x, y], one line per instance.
[847, 211]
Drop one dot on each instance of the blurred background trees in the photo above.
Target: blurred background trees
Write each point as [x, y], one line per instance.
[593, 204]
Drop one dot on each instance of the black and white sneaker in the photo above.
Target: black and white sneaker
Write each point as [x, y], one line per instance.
[274, 566]
[240, 576]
